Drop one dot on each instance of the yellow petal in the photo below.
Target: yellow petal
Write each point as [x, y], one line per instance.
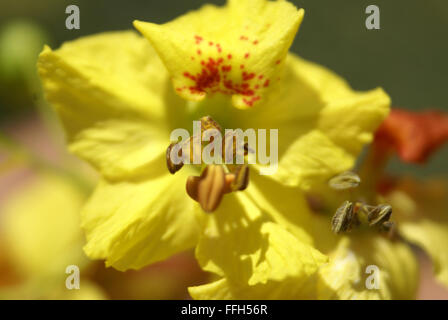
[420, 210]
[286, 289]
[237, 49]
[134, 223]
[347, 274]
[351, 121]
[109, 91]
[252, 253]
[432, 236]
[311, 159]
[121, 148]
[217, 290]
[285, 205]
[322, 123]
[41, 228]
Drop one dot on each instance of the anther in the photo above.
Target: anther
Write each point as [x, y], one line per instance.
[209, 188]
[240, 179]
[379, 215]
[344, 218]
[207, 123]
[173, 167]
[345, 180]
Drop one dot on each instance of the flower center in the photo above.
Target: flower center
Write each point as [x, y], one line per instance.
[218, 178]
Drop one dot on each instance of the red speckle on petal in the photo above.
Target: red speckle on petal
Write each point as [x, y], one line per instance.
[247, 76]
[250, 102]
[255, 42]
[214, 77]
[260, 76]
[246, 55]
[266, 83]
[277, 62]
[189, 76]
[244, 38]
[198, 39]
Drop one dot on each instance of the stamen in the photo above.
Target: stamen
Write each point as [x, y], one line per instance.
[172, 167]
[345, 180]
[207, 123]
[209, 188]
[343, 218]
[346, 217]
[379, 215]
[240, 179]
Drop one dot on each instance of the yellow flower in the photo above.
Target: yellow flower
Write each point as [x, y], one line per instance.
[357, 259]
[229, 50]
[421, 215]
[418, 217]
[119, 97]
[41, 237]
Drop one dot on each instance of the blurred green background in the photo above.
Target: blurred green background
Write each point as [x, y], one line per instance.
[407, 56]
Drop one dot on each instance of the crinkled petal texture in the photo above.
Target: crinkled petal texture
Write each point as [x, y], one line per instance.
[359, 262]
[322, 123]
[253, 256]
[131, 224]
[109, 92]
[114, 98]
[238, 49]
